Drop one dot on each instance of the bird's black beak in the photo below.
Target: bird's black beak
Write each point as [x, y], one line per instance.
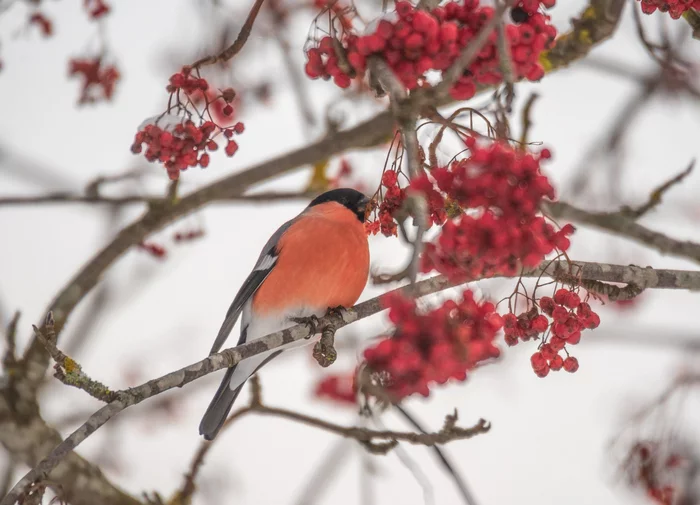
[363, 207]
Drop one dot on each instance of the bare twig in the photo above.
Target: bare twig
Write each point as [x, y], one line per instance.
[157, 201]
[623, 226]
[10, 358]
[238, 44]
[657, 194]
[527, 118]
[505, 64]
[321, 476]
[67, 370]
[456, 477]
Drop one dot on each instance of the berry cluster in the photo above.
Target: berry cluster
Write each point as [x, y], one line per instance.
[99, 80]
[675, 8]
[220, 106]
[506, 188]
[181, 143]
[392, 201]
[651, 465]
[417, 42]
[338, 388]
[497, 177]
[182, 148]
[433, 347]
[569, 317]
[481, 246]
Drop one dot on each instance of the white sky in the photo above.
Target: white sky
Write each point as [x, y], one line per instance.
[549, 442]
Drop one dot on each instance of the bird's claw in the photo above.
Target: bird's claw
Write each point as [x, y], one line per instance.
[338, 311]
[310, 321]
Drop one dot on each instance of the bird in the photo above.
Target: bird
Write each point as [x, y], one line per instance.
[318, 260]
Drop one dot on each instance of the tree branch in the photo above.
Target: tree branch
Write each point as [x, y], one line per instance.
[67, 369]
[624, 226]
[238, 44]
[657, 194]
[568, 272]
[596, 23]
[157, 201]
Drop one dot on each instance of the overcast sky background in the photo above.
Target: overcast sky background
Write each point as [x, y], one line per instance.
[550, 438]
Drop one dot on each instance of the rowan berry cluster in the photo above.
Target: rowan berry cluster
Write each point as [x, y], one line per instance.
[340, 388]
[392, 201]
[650, 465]
[561, 321]
[676, 8]
[415, 42]
[432, 347]
[99, 80]
[182, 143]
[505, 187]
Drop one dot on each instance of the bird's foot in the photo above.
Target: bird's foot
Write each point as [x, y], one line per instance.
[338, 311]
[311, 322]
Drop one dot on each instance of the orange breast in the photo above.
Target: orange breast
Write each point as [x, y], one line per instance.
[323, 262]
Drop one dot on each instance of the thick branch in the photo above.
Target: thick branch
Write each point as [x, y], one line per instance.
[570, 272]
[75, 479]
[624, 226]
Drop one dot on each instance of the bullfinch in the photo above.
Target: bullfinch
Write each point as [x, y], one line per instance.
[316, 261]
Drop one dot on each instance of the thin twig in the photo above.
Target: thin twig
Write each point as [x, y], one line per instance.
[456, 477]
[238, 44]
[527, 118]
[68, 197]
[9, 360]
[67, 370]
[657, 194]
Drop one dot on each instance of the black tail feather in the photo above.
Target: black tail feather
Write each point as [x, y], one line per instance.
[219, 408]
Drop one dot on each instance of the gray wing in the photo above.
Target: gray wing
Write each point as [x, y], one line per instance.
[263, 267]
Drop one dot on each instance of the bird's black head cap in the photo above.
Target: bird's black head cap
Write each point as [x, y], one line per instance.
[350, 198]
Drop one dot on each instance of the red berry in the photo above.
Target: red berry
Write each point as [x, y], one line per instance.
[556, 363]
[571, 364]
[561, 296]
[231, 147]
